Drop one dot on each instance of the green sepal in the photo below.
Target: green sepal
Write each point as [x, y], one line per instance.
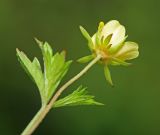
[116, 61]
[108, 75]
[115, 48]
[98, 38]
[102, 40]
[88, 37]
[85, 59]
[107, 39]
[78, 97]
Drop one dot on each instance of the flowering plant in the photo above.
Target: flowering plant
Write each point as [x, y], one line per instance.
[107, 46]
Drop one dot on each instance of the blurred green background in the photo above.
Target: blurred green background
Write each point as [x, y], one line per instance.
[132, 106]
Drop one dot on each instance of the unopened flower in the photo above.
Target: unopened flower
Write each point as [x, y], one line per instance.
[109, 42]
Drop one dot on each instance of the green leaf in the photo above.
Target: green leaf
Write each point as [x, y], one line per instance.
[34, 71]
[63, 53]
[108, 75]
[85, 59]
[87, 36]
[78, 97]
[55, 68]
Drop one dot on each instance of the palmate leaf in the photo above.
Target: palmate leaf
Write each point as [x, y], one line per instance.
[78, 97]
[55, 67]
[34, 71]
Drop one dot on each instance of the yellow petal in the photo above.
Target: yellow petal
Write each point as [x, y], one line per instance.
[115, 28]
[128, 51]
[118, 35]
[109, 28]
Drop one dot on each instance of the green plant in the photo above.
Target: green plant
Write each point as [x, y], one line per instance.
[108, 47]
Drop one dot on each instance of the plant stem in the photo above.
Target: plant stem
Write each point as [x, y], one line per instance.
[32, 125]
[46, 108]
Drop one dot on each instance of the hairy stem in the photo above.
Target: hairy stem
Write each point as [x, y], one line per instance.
[46, 108]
